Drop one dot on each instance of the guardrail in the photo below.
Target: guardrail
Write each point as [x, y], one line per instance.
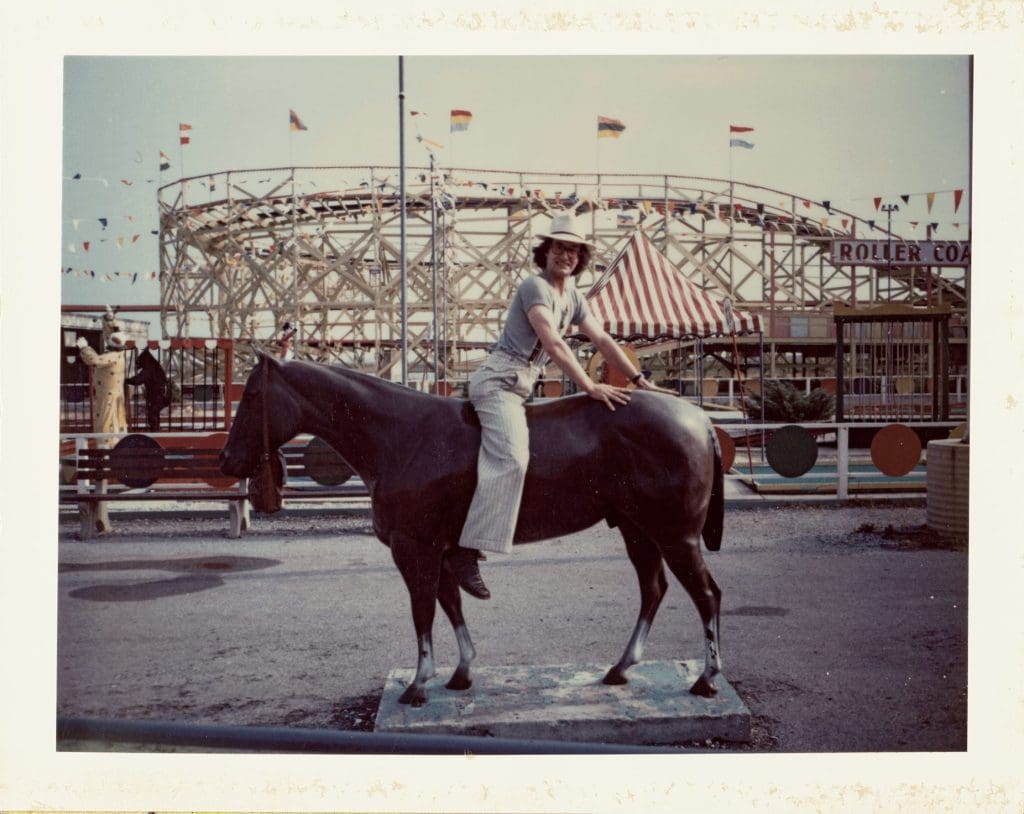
[884, 453]
[759, 433]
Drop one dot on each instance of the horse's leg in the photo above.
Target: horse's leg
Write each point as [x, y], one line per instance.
[451, 603]
[684, 559]
[420, 566]
[647, 561]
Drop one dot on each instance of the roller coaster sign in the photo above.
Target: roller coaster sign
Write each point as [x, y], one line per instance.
[904, 252]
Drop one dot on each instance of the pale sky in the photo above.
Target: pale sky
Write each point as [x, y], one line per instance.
[840, 128]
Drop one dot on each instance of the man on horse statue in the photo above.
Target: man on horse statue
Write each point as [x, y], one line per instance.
[542, 309]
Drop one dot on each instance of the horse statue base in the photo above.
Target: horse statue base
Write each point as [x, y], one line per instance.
[571, 702]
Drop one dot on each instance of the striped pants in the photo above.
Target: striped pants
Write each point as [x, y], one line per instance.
[499, 389]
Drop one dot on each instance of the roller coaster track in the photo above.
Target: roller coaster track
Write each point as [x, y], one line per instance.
[243, 251]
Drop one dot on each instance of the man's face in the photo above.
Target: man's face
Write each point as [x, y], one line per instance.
[562, 259]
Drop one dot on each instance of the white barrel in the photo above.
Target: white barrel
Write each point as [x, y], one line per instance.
[948, 469]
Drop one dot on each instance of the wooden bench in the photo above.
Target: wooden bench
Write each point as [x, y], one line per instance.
[144, 470]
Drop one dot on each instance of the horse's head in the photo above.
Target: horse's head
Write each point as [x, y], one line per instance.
[244, 446]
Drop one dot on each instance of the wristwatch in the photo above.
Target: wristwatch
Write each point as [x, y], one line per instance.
[636, 379]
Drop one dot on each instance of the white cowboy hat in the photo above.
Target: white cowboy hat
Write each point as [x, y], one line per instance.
[564, 227]
[117, 341]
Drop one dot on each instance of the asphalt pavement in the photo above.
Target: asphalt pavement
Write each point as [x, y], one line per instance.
[298, 623]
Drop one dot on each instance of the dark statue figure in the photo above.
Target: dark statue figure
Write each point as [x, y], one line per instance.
[156, 390]
[652, 469]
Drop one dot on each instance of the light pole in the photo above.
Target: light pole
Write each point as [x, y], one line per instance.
[886, 384]
[889, 209]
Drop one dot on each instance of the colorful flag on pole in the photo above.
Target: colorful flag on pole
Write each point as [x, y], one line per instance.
[184, 128]
[738, 142]
[460, 120]
[609, 128]
[165, 162]
[736, 128]
[294, 123]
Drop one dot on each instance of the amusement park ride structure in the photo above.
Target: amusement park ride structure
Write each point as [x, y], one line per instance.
[244, 251]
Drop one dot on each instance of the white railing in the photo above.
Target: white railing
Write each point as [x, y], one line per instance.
[739, 428]
[842, 431]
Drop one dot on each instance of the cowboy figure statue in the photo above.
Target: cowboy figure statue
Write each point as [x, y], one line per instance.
[108, 405]
[542, 309]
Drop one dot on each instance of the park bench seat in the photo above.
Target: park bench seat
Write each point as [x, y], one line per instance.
[183, 474]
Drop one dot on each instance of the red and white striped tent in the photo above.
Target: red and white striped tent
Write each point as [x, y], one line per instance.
[641, 295]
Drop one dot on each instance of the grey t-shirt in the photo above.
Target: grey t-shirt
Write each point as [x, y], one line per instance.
[518, 336]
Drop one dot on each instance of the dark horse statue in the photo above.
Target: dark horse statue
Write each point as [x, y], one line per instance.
[157, 391]
[652, 468]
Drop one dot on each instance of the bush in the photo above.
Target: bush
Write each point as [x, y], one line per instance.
[783, 402]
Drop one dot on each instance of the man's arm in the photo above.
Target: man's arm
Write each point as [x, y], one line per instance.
[553, 344]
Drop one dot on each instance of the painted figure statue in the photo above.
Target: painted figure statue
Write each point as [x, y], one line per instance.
[157, 391]
[108, 406]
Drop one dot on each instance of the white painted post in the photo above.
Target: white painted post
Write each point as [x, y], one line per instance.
[80, 444]
[843, 461]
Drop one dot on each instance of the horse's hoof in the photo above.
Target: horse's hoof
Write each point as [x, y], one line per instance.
[459, 682]
[615, 676]
[704, 688]
[414, 696]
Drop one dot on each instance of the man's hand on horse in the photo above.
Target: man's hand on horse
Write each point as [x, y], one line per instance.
[647, 384]
[609, 394]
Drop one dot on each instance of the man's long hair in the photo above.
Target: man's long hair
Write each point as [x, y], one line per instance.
[540, 255]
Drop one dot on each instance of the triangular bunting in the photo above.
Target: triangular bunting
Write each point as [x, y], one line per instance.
[930, 197]
[957, 195]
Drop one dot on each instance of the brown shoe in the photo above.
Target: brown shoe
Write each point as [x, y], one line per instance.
[463, 563]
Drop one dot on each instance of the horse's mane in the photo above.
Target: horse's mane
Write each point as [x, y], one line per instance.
[370, 381]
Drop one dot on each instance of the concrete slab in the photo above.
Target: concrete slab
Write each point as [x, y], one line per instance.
[568, 702]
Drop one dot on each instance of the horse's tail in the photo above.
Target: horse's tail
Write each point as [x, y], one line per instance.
[714, 523]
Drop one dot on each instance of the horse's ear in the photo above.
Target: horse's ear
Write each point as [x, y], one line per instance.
[263, 356]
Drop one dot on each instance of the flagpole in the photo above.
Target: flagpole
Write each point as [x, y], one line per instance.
[433, 271]
[401, 195]
[732, 218]
[181, 163]
[181, 156]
